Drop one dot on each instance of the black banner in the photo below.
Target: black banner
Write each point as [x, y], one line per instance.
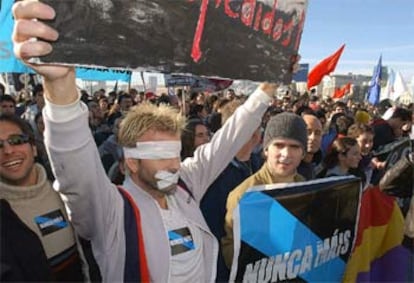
[236, 39]
[303, 232]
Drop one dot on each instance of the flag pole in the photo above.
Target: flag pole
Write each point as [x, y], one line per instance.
[143, 81]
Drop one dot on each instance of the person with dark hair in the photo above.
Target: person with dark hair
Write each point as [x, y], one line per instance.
[342, 124]
[339, 107]
[284, 145]
[313, 156]
[7, 104]
[37, 239]
[387, 131]
[125, 102]
[195, 133]
[304, 110]
[344, 156]
[39, 103]
[163, 99]
[197, 111]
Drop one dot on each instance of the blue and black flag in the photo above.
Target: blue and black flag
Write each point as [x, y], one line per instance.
[301, 231]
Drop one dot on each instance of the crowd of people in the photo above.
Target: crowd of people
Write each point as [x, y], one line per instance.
[145, 185]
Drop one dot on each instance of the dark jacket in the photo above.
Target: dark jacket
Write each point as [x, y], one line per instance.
[398, 181]
[213, 204]
[22, 256]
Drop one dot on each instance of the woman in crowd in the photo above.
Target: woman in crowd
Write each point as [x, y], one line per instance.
[195, 134]
[343, 159]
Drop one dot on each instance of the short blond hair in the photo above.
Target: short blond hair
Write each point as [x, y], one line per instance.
[147, 116]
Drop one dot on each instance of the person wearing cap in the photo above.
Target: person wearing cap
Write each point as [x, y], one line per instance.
[284, 145]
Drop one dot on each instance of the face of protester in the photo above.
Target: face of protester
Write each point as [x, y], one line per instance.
[143, 171]
[283, 156]
[351, 158]
[365, 142]
[16, 161]
[201, 135]
[103, 104]
[125, 104]
[339, 109]
[7, 107]
[314, 128]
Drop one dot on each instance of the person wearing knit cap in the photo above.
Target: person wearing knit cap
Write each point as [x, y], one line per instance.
[284, 144]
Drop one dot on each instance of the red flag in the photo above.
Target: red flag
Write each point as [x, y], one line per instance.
[325, 67]
[340, 92]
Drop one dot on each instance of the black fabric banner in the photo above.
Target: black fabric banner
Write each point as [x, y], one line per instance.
[301, 232]
[236, 39]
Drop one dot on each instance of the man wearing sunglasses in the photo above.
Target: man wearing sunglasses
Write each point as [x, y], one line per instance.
[37, 240]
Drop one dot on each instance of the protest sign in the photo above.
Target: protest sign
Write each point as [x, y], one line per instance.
[299, 231]
[236, 39]
[23, 81]
[10, 64]
[196, 83]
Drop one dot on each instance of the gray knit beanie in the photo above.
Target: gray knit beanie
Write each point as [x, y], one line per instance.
[286, 125]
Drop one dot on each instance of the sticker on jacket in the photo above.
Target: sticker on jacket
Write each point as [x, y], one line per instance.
[181, 241]
[51, 222]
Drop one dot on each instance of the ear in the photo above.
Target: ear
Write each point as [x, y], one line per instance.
[132, 165]
[265, 152]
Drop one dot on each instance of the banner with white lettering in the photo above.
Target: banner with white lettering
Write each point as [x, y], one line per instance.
[235, 39]
[301, 232]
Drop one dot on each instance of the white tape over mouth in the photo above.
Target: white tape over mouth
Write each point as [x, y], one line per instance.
[166, 179]
[154, 150]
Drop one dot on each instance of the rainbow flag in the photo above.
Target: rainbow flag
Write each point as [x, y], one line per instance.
[378, 253]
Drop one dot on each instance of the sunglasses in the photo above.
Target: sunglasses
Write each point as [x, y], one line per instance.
[16, 139]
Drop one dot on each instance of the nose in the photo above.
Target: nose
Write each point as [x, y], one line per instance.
[284, 151]
[175, 164]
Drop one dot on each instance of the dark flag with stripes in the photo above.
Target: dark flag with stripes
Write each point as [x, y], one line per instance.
[301, 232]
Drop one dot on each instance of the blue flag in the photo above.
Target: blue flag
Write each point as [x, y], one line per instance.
[374, 89]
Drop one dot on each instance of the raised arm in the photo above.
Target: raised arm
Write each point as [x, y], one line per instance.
[210, 159]
[80, 177]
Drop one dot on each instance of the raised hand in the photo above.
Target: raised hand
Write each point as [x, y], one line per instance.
[30, 38]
